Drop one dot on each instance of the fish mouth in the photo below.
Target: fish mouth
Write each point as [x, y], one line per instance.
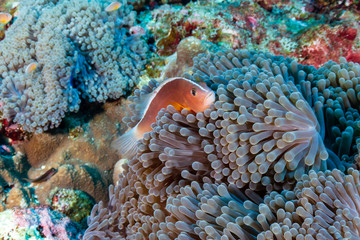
[210, 98]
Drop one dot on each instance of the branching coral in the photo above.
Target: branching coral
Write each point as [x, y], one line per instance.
[80, 51]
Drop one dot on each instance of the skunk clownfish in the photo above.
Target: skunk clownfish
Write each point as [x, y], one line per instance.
[178, 92]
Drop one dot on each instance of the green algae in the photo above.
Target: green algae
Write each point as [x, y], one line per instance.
[75, 204]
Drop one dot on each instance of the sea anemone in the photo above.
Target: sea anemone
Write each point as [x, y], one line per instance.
[203, 211]
[265, 132]
[338, 88]
[265, 126]
[326, 207]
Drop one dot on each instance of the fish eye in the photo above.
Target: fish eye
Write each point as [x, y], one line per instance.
[193, 92]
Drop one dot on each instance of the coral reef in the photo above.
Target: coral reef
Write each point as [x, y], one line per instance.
[295, 29]
[331, 5]
[80, 162]
[13, 189]
[171, 23]
[80, 52]
[274, 157]
[37, 223]
[182, 60]
[315, 48]
[84, 159]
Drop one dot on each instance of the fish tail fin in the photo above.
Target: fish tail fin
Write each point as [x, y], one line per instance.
[126, 144]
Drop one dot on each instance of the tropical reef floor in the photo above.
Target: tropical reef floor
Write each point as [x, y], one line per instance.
[70, 71]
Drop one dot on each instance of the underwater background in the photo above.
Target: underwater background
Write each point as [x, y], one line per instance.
[276, 156]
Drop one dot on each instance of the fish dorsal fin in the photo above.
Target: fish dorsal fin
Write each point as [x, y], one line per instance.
[139, 100]
[202, 84]
[147, 96]
[142, 104]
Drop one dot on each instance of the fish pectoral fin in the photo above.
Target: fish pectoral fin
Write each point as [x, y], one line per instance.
[179, 107]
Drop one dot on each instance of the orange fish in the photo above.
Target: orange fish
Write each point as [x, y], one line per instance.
[5, 18]
[113, 6]
[178, 92]
[31, 67]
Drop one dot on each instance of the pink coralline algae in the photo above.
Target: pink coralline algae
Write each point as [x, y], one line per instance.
[315, 46]
[298, 30]
[13, 132]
